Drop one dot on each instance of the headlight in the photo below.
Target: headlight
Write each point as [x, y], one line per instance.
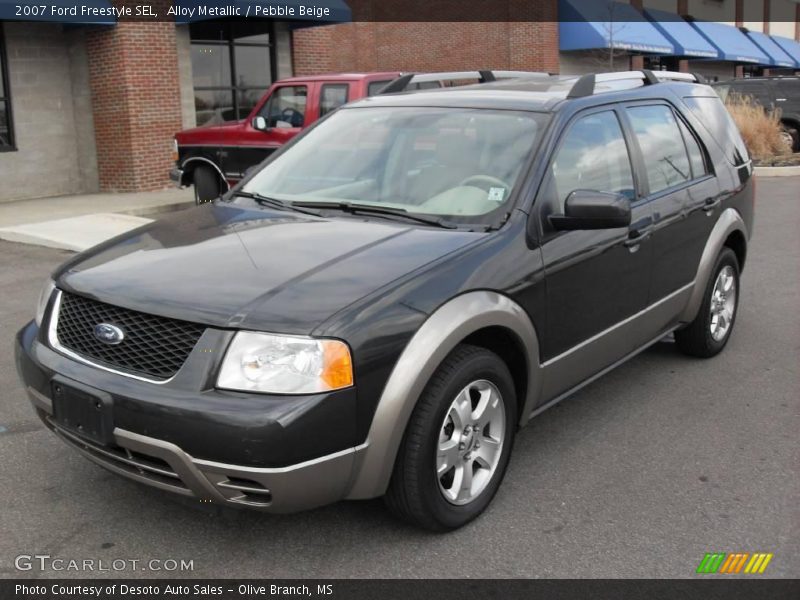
[263, 362]
[175, 155]
[44, 298]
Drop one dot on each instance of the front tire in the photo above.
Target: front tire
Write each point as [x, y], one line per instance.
[206, 185]
[711, 329]
[457, 444]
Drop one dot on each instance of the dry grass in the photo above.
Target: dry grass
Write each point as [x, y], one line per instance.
[761, 130]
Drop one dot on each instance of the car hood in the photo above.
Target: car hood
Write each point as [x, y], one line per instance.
[187, 135]
[245, 267]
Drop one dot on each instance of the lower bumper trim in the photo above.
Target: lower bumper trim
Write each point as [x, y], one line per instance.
[167, 467]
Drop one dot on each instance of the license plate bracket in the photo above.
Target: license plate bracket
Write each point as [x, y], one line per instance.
[83, 411]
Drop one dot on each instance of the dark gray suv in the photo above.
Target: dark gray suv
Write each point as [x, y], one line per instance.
[381, 305]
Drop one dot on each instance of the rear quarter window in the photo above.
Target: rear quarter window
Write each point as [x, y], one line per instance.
[373, 87]
[713, 115]
[788, 88]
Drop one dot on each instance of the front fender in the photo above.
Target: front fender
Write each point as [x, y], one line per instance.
[434, 340]
[189, 165]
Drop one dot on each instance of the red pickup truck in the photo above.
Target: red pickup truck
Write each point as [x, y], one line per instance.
[213, 158]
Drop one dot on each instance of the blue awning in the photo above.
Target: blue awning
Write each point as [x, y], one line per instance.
[732, 44]
[771, 49]
[303, 13]
[789, 46]
[683, 36]
[593, 24]
[75, 12]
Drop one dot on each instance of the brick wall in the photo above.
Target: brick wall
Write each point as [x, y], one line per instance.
[530, 43]
[421, 46]
[136, 100]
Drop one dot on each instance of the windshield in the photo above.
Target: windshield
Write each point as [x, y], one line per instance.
[458, 164]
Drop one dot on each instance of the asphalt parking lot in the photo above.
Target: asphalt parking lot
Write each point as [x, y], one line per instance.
[638, 475]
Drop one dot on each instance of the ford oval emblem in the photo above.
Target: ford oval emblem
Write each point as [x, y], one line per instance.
[109, 334]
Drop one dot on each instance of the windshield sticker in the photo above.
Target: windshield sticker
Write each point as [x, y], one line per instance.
[496, 194]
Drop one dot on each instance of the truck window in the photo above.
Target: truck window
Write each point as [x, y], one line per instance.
[333, 95]
[286, 108]
[375, 86]
[757, 90]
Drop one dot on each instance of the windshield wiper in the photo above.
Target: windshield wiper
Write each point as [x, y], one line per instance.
[354, 208]
[275, 203]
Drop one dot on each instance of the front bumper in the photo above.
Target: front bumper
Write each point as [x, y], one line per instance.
[167, 464]
[176, 177]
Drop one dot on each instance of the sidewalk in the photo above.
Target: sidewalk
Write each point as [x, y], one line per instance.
[81, 221]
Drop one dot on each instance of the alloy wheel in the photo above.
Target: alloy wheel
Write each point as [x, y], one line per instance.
[723, 303]
[471, 442]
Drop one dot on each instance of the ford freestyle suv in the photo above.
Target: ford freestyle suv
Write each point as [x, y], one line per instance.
[381, 305]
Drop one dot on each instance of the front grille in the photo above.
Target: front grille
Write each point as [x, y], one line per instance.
[153, 346]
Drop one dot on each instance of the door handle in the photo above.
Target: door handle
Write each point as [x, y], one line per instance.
[710, 204]
[636, 237]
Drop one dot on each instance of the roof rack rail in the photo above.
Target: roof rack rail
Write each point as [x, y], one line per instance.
[402, 83]
[585, 86]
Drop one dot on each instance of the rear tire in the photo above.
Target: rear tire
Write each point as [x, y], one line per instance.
[457, 444]
[206, 185]
[711, 329]
[793, 137]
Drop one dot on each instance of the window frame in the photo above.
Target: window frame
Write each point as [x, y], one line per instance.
[229, 39]
[6, 98]
[640, 165]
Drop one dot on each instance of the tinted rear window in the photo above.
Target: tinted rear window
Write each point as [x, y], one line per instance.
[711, 112]
[789, 86]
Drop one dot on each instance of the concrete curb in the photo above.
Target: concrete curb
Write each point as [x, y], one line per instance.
[778, 171]
[74, 233]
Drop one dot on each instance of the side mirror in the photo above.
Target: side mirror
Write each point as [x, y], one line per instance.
[260, 123]
[589, 209]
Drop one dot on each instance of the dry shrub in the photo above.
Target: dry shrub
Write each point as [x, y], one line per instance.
[760, 129]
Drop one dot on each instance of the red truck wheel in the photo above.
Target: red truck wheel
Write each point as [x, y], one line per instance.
[206, 185]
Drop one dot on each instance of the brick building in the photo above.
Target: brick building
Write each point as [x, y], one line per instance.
[94, 108]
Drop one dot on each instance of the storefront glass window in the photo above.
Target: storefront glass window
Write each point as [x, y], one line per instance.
[232, 66]
[6, 126]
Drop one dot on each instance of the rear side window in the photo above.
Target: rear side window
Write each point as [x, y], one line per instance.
[696, 155]
[332, 97]
[592, 156]
[711, 112]
[664, 152]
[757, 90]
[788, 88]
[376, 86]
